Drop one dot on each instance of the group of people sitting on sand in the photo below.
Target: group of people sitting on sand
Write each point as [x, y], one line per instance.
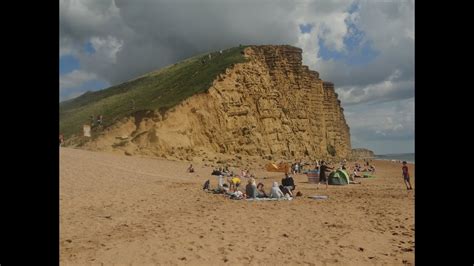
[231, 188]
[358, 168]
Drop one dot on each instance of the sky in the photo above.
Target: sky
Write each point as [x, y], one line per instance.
[366, 48]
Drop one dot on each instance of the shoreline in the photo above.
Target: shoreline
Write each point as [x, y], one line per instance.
[393, 160]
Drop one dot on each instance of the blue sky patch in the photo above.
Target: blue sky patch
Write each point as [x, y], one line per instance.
[67, 63]
[359, 50]
[88, 48]
[354, 7]
[306, 28]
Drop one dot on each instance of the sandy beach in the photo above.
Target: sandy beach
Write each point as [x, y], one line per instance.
[117, 209]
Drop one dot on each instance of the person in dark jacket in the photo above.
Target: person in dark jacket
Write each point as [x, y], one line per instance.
[288, 182]
[322, 173]
[285, 190]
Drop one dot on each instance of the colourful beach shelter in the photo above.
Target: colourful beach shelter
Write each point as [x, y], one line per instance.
[338, 177]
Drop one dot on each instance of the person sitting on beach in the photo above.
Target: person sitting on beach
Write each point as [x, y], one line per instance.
[207, 185]
[357, 166]
[285, 191]
[251, 189]
[352, 179]
[372, 169]
[276, 192]
[260, 192]
[225, 189]
[237, 195]
[355, 173]
[406, 175]
[288, 182]
[190, 169]
[220, 181]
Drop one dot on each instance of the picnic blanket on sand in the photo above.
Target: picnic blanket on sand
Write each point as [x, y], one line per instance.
[269, 199]
[367, 175]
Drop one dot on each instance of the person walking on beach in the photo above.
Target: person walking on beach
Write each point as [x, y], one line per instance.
[406, 175]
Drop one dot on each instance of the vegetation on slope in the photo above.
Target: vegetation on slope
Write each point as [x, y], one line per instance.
[159, 90]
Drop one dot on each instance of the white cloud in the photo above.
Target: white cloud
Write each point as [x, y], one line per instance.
[394, 120]
[74, 79]
[333, 30]
[387, 90]
[107, 47]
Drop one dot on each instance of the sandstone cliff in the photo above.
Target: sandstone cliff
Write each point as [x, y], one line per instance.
[362, 153]
[270, 106]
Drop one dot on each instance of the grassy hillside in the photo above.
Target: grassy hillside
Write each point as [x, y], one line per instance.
[158, 90]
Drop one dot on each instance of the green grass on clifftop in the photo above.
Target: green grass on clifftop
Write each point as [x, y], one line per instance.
[158, 90]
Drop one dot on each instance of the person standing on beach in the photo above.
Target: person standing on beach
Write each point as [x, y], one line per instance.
[322, 173]
[406, 175]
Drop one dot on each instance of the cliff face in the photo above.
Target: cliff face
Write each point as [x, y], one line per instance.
[362, 153]
[270, 105]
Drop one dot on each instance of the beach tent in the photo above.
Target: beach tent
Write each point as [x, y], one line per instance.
[338, 177]
[281, 167]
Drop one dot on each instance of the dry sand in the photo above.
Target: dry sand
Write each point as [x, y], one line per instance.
[121, 210]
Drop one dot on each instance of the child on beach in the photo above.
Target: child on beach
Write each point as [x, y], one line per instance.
[260, 192]
[406, 175]
[234, 183]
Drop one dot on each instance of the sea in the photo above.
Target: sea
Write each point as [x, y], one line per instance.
[409, 157]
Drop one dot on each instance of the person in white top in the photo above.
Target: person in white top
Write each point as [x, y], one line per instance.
[276, 192]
